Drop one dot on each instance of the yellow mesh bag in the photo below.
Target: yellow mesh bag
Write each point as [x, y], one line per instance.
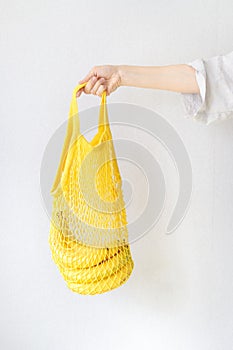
[88, 234]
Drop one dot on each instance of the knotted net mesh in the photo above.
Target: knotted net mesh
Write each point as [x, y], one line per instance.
[88, 235]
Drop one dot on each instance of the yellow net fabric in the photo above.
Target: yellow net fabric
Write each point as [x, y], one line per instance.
[88, 235]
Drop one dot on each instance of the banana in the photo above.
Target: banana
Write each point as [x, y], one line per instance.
[98, 272]
[104, 285]
[75, 254]
[79, 256]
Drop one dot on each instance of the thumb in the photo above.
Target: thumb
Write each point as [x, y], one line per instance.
[87, 77]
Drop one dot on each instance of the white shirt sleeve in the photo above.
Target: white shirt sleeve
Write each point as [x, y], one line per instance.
[214, 103]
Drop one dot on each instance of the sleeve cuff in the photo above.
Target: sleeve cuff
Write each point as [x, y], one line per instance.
[194, 104]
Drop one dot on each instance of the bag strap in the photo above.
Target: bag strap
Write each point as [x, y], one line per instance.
[103, 114]
[73, 130]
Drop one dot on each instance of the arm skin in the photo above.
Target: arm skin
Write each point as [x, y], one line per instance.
[178, 77]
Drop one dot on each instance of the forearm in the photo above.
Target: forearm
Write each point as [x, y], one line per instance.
[178, 78]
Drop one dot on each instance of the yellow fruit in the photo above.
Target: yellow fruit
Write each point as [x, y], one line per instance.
[104, 285]
[79, 256]
[98, 272]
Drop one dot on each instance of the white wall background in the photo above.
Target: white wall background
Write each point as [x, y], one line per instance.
[180, 293]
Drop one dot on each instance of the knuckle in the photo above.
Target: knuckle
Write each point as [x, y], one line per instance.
[89, 85]
[87, 89]
[101, 90]
[94, 71]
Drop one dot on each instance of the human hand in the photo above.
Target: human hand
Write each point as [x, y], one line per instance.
[99, 79]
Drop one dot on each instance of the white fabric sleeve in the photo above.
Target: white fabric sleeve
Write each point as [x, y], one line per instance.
[214, 103]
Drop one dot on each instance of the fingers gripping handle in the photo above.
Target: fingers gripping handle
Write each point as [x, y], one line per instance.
[74, 105]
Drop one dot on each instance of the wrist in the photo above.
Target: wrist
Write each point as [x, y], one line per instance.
[122, 71]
